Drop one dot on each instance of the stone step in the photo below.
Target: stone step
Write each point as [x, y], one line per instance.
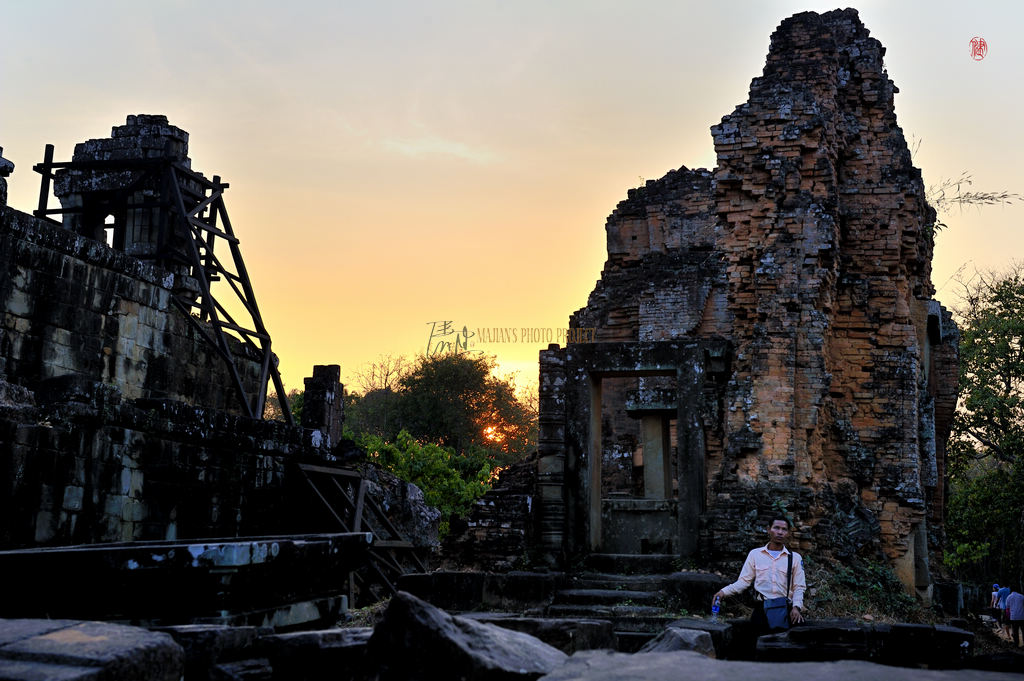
[257, 669]
[72, 650]
[568, 635]
[632, 641]
[632, 564]
[607, 597]
[650, 623]
[613, 612]
[600, 580]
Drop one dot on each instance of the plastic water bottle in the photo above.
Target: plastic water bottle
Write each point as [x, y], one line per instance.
[715, 607]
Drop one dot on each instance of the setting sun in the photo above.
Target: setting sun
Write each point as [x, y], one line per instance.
[493, 434]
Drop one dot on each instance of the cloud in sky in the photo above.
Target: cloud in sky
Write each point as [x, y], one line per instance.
[433, 145]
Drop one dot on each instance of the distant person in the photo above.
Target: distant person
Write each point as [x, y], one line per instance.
[993, 606]
[766, 568]
[1004, 617]
[1015, 610]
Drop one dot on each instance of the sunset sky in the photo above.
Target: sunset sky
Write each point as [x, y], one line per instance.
[394, 164]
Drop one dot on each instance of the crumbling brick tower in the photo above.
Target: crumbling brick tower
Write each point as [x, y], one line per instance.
[136, 190]
[123, 198]
[807, 250]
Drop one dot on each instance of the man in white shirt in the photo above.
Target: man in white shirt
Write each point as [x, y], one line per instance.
[766, 568]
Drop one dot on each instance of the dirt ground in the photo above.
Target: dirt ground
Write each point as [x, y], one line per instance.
[989, 638]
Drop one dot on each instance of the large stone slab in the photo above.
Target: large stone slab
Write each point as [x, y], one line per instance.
[568, 635]
[206, 645]
[12, 631]
[20, 670]
[415, 640]
[593, 665]
[322, 654]
[673, 639]
[81, 651]
[257, 669]
[720, 631]
[897, 644]
[238, 580]
[453, 590]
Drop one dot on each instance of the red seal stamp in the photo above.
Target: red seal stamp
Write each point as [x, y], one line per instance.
[979, 48]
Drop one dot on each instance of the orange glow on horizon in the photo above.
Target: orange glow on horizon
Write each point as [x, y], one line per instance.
[384, 177]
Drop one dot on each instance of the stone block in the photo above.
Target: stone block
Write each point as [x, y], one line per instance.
[462, 647]
[119, 652]
[306, 654]
[611, 666]
[568, 635]
[126, 482]
[73, 498]
[112, 504]
[22, 670]
[256, 669]
[45, 526]
[13, 630]
[674, 638]
[20, 304]
[205, 645]
[134, 511]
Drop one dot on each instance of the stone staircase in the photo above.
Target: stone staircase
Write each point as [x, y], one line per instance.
[639, 595]
[630, 591]
[632, 564]
[622, 602]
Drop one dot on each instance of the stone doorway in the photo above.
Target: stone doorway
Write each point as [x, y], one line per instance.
[662, 393]
[639, 483]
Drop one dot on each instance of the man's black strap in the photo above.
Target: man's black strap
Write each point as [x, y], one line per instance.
[789, 575]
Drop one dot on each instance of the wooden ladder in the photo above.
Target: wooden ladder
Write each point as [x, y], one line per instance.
[343, 492]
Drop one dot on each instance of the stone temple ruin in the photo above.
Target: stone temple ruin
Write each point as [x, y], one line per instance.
[765, 338]
[137, 192]
[133, 360]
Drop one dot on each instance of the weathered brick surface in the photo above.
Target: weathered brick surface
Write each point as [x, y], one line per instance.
[110, 470]
[102, 469]
[500, 531]
[323, 403]
[73, 306]
[6, 168]
[94, 194]
[808, 247]
[655, 286]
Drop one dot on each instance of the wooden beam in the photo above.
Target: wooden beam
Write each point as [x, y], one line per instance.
[360, 500]
[330, 471]
[330, 508]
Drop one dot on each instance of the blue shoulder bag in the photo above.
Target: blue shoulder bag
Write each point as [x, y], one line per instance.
[776, 610]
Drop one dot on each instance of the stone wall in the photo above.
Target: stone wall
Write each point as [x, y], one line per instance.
[79, 464]
[499, 532]
[809, 248]
[6, 168]
[73, 306]
[86, 466]
[656, 285]
[827, 241]
[126, 199]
